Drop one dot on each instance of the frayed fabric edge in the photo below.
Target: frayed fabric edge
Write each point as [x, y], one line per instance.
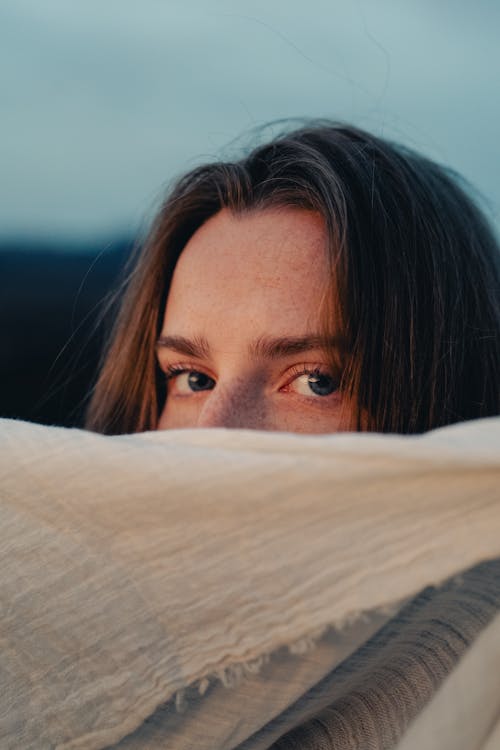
[231, 675]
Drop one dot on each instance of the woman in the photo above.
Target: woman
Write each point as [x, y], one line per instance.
[328, 281]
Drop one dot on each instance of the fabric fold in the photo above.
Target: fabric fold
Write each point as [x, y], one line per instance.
[139, 567]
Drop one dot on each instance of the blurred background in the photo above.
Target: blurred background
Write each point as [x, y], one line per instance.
[104, 102]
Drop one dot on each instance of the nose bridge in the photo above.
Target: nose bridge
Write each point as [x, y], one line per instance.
[238, 405]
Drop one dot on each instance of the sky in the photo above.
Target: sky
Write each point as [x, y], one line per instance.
[104, 102]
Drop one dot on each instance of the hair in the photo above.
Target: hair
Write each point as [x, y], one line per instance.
[414, 279]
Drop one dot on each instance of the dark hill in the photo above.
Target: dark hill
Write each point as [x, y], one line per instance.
[50, 330]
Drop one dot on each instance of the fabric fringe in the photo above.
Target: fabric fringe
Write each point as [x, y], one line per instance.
[232, 675]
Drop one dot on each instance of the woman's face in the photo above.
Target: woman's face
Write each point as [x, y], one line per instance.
[240, 343]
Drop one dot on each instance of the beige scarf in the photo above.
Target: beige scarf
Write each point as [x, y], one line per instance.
[188, 589]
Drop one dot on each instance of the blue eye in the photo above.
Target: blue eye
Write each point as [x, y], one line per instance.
[321, 385]
[198, 381]
[316, 383]
[185, 381]
[307, 382]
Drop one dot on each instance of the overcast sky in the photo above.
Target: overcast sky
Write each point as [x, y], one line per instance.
[103, 102]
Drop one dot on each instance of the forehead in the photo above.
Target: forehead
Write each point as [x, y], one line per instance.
[264, 271]
[262, 236]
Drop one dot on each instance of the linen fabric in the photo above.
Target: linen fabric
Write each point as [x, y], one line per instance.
[222, 588]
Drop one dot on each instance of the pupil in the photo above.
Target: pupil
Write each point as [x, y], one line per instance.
[322, 385]
[199, 382]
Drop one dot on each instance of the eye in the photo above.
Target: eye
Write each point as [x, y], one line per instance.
[314, 382]
[185, 381]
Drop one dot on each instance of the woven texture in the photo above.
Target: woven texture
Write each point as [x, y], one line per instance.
[168, 571]
[374, 696]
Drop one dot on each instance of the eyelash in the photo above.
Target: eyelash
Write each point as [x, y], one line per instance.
[304, 369]
[296, 371]
[173, 370]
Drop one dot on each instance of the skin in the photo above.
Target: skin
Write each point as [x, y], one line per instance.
[243, 279]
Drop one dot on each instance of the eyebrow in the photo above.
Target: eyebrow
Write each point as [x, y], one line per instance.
[265, 347]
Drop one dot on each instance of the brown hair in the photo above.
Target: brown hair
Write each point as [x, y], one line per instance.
[415, 272]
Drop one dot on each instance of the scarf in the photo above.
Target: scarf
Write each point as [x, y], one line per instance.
[229, 588]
